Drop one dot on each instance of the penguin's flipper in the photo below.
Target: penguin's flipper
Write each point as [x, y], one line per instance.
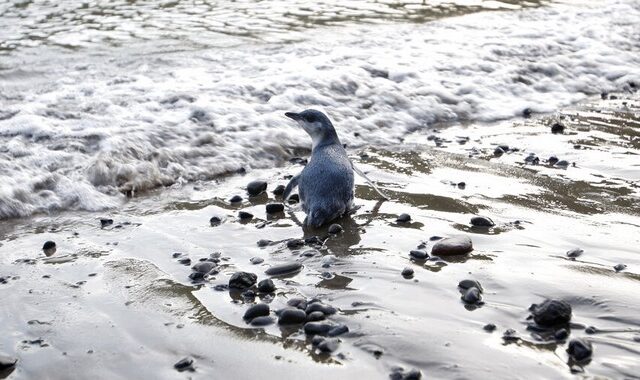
[370, 182]
[290, 186]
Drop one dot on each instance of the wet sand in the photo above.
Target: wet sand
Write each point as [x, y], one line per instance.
[113, 302]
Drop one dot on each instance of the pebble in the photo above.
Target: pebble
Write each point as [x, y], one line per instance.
[490, 327]
[398, 373]
[262, 321]
[329, 345]
[472, 295]
[235, 199]
[335, 229]
[575, 252]
[256, 260]
[526, 113]
[551, 313]
[552, 160]
[620, 267]
[498, 151]
[295, 243]
[532, 159]
[510, 335]
[315, 316]
[467, 284]
[407, 272]
[338, 330]
[184, 364]
[7, 362]
[561, 334]
[292, 315]
[196, 276]
[457, 245]
[243, 215]
[176, 255]
[104, 222]
[274, 208]
[481, 221]
[215, 221]
[580, 349]
[318, 306]
[314, 240]
[284, 269]
[299, 303]
[317, 328]
[557, 128]
[563, 163]
[256, 188]
[257, 310]
[242, 280]
[279, 190]
[419, 254]
[266, 286]
[293, 198]
[264, 242]
[204, 267]
[185, 261]
[403, 218]
[49, 248]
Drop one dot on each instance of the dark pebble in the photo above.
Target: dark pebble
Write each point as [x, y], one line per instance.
[262, 321]
[575, 252]
[243, 215]
[274, 208]
[591, 330]
[481, 221]
[7, 362]
[557, 128]
[552, 160]
[472, 296]
[335, 228]
[249, 294]
[580, 349]
[256, 188]
[176, 255]
[257, 310]
[532, 159]
[185, 261]
[490, 327]
[105, 222]
[279, 190]
[563, 163]
[48, 245]
[295, 243]
[313, 240]
[235, 199]
[462, 185]
[316, 316]
[203, 267]
[299, 303]
[196, 276]
[266, 286]
[403, 218]
[561, 334]
[291, 316]
[293, 198]
[457, 245]
[329, 345]
[498, 152]
[256, 260]
[215, 221]
[526, 113]
[419, 254]
[338, 330]
[284, 269]
[551, 313]
[620, 267]
[318, 306]
[184, 364]
[510, 335]
[317, 328]
[242, 280]
[407, 272]
[467, 284]
[264, 242]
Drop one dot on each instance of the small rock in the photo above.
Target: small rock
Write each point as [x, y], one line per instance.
[490, 327]
[293, 198]
[580, 349]
[262, 321]
[295, 243]
[561, 334]
[551, 313]
[552, 160]
[314, 240]
[184, 364]
[481, 221]
[419, 254]
[526, 113]
[317, 328]
[329, 345]
[185, 261]
[591, 330]
[620, 267]
[264, 242]
[575, 252]
[563, 163]
[257, 310]
[249, 294]
[242, 280]
[462, 185]
[338, 330]
[472, 296]
[215, 221]
[176, 255]
[457, 245]
[467, 284]
[335, 228]
[498, 152]
[243, 215]
[318, 306]
[279, 190]
[235, 199]
[407, 272]
[557, 128]
[532, 159]
[256, 188]
[510, 335]
[316, 316]
[266, 286]
[203, 267]
[403, 218]
[284, 269]
[274, 208]
[299, 303]
[104, 222]
[256, 260]
[49, 248]
[291, 316]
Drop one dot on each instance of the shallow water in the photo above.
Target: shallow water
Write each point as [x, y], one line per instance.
[149, 129]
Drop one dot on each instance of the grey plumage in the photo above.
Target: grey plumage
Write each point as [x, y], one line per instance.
[325, 185]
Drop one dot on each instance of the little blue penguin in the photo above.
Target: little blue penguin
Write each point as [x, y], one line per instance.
[325, 185]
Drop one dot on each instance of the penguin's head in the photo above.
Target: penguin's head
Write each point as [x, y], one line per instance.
[316, 124]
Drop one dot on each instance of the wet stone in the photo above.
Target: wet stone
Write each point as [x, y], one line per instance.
[498, 151]
[295, 243]
[49, 248]
[481, 221]
[532, 159]
[403, 218]
[467, 284]
[335, 229]
[457, 245]
[203, 267]
[284, 269]
[176, 255]
[249, 294]
[329, 345]
[471, 296]
[257, 310]
[510, 335]
[407, 272]
[274, 208]
[318, 306]
[256, 188]
[7, 362]
[526, 113]
[313, 240]
[262, 321]
[557, 128]
[264, 242]
[243, 215]
[315, 316]
[242, 280]
[620, 267]
[563, 163]
[292, 315]
[266, 286]
[490, 327]
[256, 260]
[215, 221]
[279, 190]
[293, 198]
[338, 330]
[235, 199]
[580, 349]
[104, 222]
[299, 303]
[575, 252]
[561, 334]
[419, 254]
[552, 160]
[551, 313]
[317, 328]
[184, 364]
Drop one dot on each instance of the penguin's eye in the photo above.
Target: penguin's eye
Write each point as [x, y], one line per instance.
[310, 118]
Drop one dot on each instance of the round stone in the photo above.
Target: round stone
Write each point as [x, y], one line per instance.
[551, 313]
[284, 269]
[457, 245]
[481, 221]
[242, 280]
[291, 315]
[580, 349]
[256, 188]
[257, 310]
[335, 229]
[266, 286]
[403, 218]
[274, 208]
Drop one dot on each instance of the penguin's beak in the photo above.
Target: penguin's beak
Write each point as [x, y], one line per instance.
[293, 115]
